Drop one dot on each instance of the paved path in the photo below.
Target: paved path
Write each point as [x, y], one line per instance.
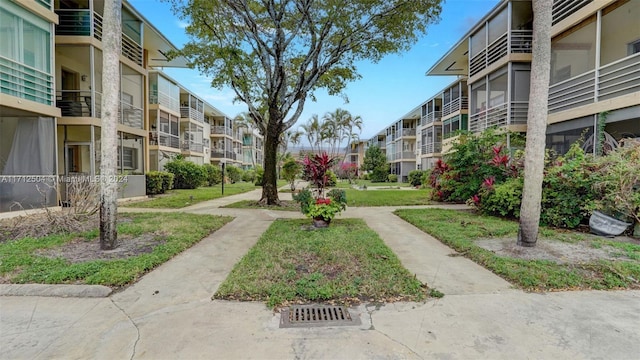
[169, 313]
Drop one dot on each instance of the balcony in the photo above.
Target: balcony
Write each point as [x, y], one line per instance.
[25, 82]
[499, 116]
[221, 130]
[81, 23]
[515, 41]
[461, 103]
[221, 154]
[163, 139]
[431, 148]
[431, 118]
[562, 9]
[76, 103]
[164, 99]
[187, 112]
[408, 132]
[192, 147]
[612, 80]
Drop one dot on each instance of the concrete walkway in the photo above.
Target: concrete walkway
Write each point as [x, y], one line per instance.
[169, 313]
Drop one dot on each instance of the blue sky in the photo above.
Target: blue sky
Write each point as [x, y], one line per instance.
[387, 90]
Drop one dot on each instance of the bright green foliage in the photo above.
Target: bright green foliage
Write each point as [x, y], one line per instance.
[375, 162]
[332, 178]
[158, 182]
[249, 175]
[214, 174]
[233, 174]
[275, 54]
[290, 170]
[259, 175]
[415, 177]
[505, 199]
[187, 175]
[392, 178]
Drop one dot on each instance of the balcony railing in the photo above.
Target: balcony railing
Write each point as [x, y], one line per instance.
[515, 41]
[221, 154]
[192, 146]
[497, 116]
[45, 3]
[76, 103]
[25, 82]
[619, 78]
[221, 130]
[408, 132]
[188, 112]
[576, 91]
[164, 139]
[81, 23]
[461, 103]
[431, 117]
[431, 148]
[562, 9]
[164, 99]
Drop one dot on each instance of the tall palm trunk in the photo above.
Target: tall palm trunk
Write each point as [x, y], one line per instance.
[536, 124]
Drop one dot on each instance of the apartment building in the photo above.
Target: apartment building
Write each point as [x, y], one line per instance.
[27, 105]
[401, 144]
[51, 88]
[252, 151]
[355, 152]
[595, 71]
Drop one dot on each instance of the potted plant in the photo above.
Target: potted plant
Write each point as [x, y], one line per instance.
[315, 204]
[617, 185]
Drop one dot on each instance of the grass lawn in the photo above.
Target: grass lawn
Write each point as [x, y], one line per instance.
[343, 184]
[41, 260]
[346, 262]
[179, 198]
[387, 197]
[459, 229]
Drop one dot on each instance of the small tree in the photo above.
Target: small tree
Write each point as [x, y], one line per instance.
[375, 162]
[290, 170]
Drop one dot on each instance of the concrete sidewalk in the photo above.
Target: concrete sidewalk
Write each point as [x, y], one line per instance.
[169, 313]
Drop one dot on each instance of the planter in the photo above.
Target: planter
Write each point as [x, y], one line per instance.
[321, 223]
[606, 225]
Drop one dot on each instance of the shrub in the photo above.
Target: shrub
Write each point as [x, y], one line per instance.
[187, 175]
[503, 200]
[249, 175]
[392, 178]
[153, 181]
[234, 174]
[290, 170]
[167, 180]
[415, 177]
[214, 174]
[365, 176]
[332, 179]
[259, 176]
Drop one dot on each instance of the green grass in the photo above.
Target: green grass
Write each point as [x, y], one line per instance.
[387, 197]
[345, 262]
[175, 199]
[458, 229]
[251, 204]
[21, 262]
[344, 184]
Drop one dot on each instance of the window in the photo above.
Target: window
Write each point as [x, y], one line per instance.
[129, 156]
[634, 47]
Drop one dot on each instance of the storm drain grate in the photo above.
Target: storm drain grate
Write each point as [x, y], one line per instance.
[315, 316]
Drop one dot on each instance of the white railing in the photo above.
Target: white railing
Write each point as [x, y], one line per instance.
[619, 78]
[221, 130]
[454, 105]
[164, 99]
[131, 50]
[164, 139]
[576, 91]
[564, 8]
[431, 148]
[515, 41]
[408, 132]
[188, 112]
[26, 82]
[495, 116]
[519, 112]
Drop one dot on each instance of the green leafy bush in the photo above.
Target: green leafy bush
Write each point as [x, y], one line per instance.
[234, 174]
[415, 177]
[332, 179]
[154, 183]
[249, 175]
[167, 180]
[392, 178]
[187, 175]
[214, 174]
[259, 176]
[504, 200]
[290, 170]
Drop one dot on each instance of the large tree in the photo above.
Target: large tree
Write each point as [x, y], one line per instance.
[111, 48]
[275, 53]
[536, 124]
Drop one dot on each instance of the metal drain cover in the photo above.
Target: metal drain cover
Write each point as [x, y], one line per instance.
[316, 316]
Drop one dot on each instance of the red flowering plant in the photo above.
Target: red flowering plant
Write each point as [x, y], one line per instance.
[316, 204]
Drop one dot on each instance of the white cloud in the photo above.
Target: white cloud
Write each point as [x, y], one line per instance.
[182, 24]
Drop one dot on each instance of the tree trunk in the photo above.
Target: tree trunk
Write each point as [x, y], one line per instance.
[536, 124]
[270, 176]
[111, 42]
